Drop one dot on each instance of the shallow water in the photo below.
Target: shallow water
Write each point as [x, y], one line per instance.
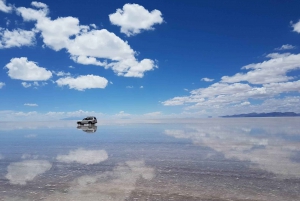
[196, 159]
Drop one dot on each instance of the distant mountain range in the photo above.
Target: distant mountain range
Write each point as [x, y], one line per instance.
[271, 114]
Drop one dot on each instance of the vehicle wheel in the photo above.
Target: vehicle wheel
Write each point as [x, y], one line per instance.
[90, 123]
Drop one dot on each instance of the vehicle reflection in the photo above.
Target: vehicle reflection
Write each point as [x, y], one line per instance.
[88, 128]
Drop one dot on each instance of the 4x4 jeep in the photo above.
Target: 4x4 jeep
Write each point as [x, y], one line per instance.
[87, 120]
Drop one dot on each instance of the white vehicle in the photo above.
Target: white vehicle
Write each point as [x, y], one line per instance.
[87, 120]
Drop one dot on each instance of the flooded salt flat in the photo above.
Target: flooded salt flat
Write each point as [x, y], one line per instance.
[197, 159]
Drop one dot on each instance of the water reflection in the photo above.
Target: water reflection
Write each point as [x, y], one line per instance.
[83, 156]
[88, 128]
[267, 146]
[109, 185]
[211, 159]
[27, 170]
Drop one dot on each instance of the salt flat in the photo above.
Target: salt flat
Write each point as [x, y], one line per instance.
[174, 159]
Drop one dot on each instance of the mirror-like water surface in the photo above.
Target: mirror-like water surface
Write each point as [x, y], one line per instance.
[199, 159]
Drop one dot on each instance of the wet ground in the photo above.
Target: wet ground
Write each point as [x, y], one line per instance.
[198, 159]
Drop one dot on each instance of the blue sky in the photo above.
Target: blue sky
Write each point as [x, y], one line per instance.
[148, 59]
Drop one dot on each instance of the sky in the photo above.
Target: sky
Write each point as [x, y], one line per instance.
[148, 59]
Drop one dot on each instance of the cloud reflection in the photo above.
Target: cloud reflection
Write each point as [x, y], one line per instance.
[83, 156]
[114, 185]
[27, 170]
[266, 145]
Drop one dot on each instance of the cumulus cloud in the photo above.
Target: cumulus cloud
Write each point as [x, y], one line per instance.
[39, 5]
[4, 7]
[134, 18]
[83, 82]
[286, 47]
[296, 27]
[265, 81]
[78, 113]
[83, 156]
[87, 60]
[9, 115]
[245, 103]
[122, 114]
[26, 85]
[153, 114]
[2, 84]
[22, 69]
[207, 79]
[61, 73]
[25, 114]
[31, 104]
[110, 185]
[273, 70]
[85, 45]
[27, 170]
[221, 94]
[16, 38]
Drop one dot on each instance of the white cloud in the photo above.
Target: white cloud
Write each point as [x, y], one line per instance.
[122, 114]
[141, 87]
[129, 87]
[39, 5]
[61, 73]
[24, 114]
[296, 27]
[83, 82]
[132, 68]
[245, 103]
[273, 70]
[22, 69]
[56, 33]
[153, 114]
[30, 14]
[286, 47]
[134, 18]
[16, 38]
[93, 26]
[22, 172]
[8, 115]
[100, 44]
[277, 55]
[82, 156]
[207, 79]
[31, 104]
[2, 84]
[87, 60]
[267, 80]
[85, 46]
[26, 85]
[4, 7]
